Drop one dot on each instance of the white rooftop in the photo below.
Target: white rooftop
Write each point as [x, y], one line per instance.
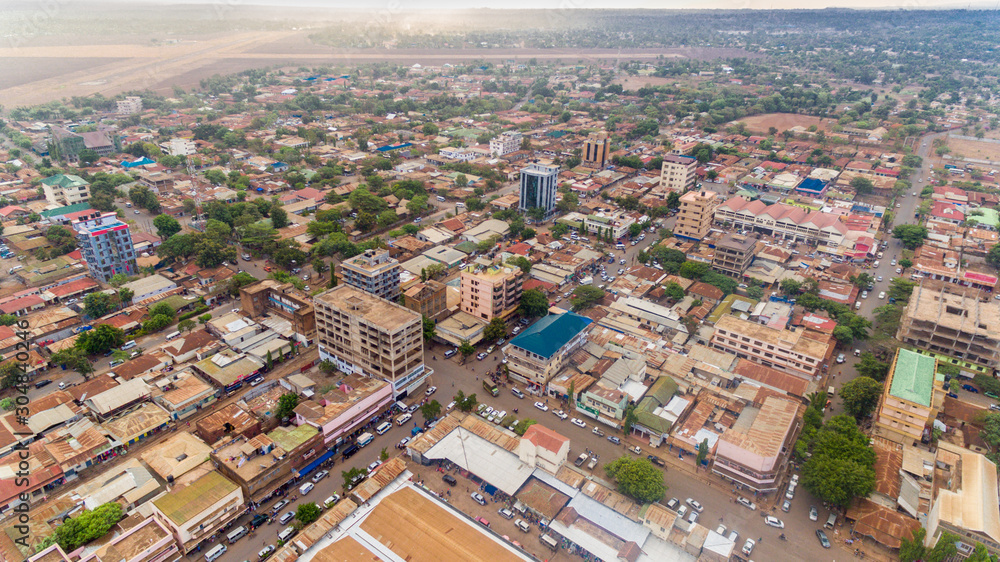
[495, 465]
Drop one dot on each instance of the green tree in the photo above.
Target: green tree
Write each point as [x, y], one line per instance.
[906, 263]
[861, 396]
[495, 330]
[430, 410]
[166, 226]
[791, 287]
[585, 296]
[186, 325]
[862, 185]
[88, 526]
[118, 279]
[913, 549]
[204, 318]
[307, 513]
[911, 235]
[162, 308]
[350, 475]
[637, 478]
[522, 426]
[286, 404]
[533, 304]
[993, 256]
[100, 339]
[842, 465]
[463, 402]
[87, 156]
[843, 335]
[461, 180]
[520, 262]
[430, 328]
[157, 323]
[278, 216]
[96, 305]
[870, 367]
[702, 452]
[429, 129]
[466, 349]
[674, 291]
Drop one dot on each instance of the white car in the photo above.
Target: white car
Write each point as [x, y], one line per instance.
[541, 406]
[881, 295]
[430, 391]
[373, 466]
[746, 503]
[774, 522]
[560, 414]
[748, 547]
[879, 279]
[697, 506]
[578, 423]
[319, 476]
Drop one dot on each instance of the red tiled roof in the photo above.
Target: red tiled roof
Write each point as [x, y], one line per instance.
[545, 438]
[73, 287]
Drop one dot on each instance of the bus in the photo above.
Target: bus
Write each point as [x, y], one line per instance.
[491, 388]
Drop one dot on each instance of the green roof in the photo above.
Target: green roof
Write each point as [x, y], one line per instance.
[663, 390]
[549, 334]
[645, 417]
[913, 377]
[66, 210]
[466, 247]
[290, 438]
[181, 505]
[65, 180]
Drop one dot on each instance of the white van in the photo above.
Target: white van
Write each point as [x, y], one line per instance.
[383, 427]
[16, 268]
[403, 419]
[237, 534]
[330, 501]
[306, 488]
[440, 198]
[129, 345]
[288, 533]
[365, 439]
[173, 335]
[215, 553]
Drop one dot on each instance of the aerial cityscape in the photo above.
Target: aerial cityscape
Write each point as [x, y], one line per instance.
[501, 282]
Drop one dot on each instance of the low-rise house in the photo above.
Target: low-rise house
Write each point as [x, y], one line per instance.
[195, 510]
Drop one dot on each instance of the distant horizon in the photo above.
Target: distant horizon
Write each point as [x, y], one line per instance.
[415, 6]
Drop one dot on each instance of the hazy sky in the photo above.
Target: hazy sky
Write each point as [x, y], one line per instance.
[414, 5]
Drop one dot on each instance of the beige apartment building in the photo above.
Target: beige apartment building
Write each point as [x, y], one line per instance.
[678, 173]
[800, 352]
[429, 298]
[912, 397]
[733, 255]
[953, 320]
[364, 334]
[595, 150]
[697, 212]
[374, 272]
[491, 292]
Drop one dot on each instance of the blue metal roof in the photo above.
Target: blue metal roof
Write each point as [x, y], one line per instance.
[549, 334]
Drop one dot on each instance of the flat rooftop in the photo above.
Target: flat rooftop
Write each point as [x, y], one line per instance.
[417, 529]
[373, 310]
